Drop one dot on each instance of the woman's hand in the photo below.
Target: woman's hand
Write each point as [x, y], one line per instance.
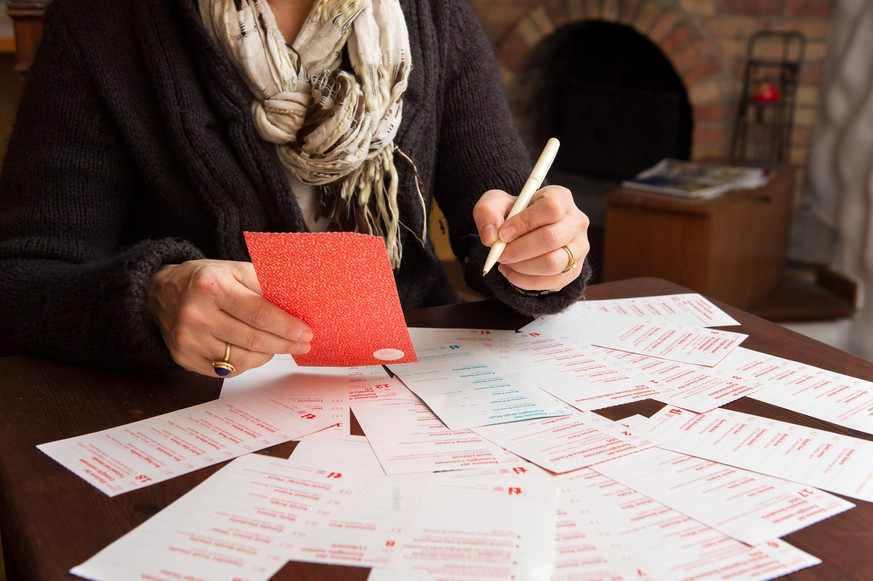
[201, 306]
[535, 257]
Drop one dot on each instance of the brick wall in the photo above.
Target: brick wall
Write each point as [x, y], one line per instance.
[706, 41]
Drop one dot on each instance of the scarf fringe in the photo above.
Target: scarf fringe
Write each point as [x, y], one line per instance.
[366, 201]
[331, 128]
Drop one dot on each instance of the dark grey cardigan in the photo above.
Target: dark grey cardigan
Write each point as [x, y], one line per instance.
[134, 147]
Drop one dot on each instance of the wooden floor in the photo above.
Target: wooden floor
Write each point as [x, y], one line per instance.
[809, 296]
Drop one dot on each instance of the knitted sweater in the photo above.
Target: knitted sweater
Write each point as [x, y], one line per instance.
[134, 147]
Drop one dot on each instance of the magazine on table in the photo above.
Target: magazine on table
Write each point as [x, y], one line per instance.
[688, 179]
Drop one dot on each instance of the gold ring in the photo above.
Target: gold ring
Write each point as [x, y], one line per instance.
[224, 367]
[571, 260]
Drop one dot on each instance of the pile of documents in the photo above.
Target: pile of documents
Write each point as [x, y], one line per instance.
[693, 180]
[485, 459]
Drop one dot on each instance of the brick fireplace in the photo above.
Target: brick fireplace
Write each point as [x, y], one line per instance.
[705, 41]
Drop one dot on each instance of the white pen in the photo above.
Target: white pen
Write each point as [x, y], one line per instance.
[530, 187]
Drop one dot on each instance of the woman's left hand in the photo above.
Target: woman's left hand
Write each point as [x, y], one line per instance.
[542, 241]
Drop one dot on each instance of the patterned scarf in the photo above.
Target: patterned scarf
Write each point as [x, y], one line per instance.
[331, 128]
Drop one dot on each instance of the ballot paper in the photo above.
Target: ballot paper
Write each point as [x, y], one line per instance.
[583, 375]
[669, 545]
[585, 546]
[376, 383]
[362, 382]
[694, 387]
[277, 369]
[327, 390]
[498, 342]
[657, 338]
[354, 311]
[499, 528]
[750, 507]
[590, 377]
[240, 523]
[342, 452]
[827, 395]
[408, 438]
[682, 308]
[370, 530]
[324, 390]
[467, 386]
[566, 443]
[818, 458]
[142, 453]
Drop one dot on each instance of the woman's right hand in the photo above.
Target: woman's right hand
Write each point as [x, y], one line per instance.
[201, 306]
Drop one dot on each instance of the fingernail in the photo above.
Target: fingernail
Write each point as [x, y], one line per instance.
[488, 234]
[305, 336]
[300, 348]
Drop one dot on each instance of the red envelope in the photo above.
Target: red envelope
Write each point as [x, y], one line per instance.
[341, 284]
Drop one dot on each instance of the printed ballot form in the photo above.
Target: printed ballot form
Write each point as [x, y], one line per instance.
[694, 387]
[565, 443]
[818, 458]
[682, 308]
[131, 456]
[408, 438]
[324, 390]
[496, 528]
[750, 507]
[341, 451]
[667, 544]
[277, 371]
[354, 311]
[371, 529]
[242, 522]
[585, 546]
[585, 376]
[468, 386]
[366, 382]
[666, 340]
[590, 377]
[834, 397]
[498, 342]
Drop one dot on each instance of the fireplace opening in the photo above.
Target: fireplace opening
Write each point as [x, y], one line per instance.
[615, 102]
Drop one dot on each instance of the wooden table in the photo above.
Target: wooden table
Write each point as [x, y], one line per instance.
[52, 520]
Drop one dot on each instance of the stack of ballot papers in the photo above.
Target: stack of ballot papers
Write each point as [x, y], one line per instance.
[484, 458]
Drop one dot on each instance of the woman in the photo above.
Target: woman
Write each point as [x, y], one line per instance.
[153, 133]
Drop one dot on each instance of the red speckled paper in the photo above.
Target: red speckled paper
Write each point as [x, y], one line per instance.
[342, 285]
